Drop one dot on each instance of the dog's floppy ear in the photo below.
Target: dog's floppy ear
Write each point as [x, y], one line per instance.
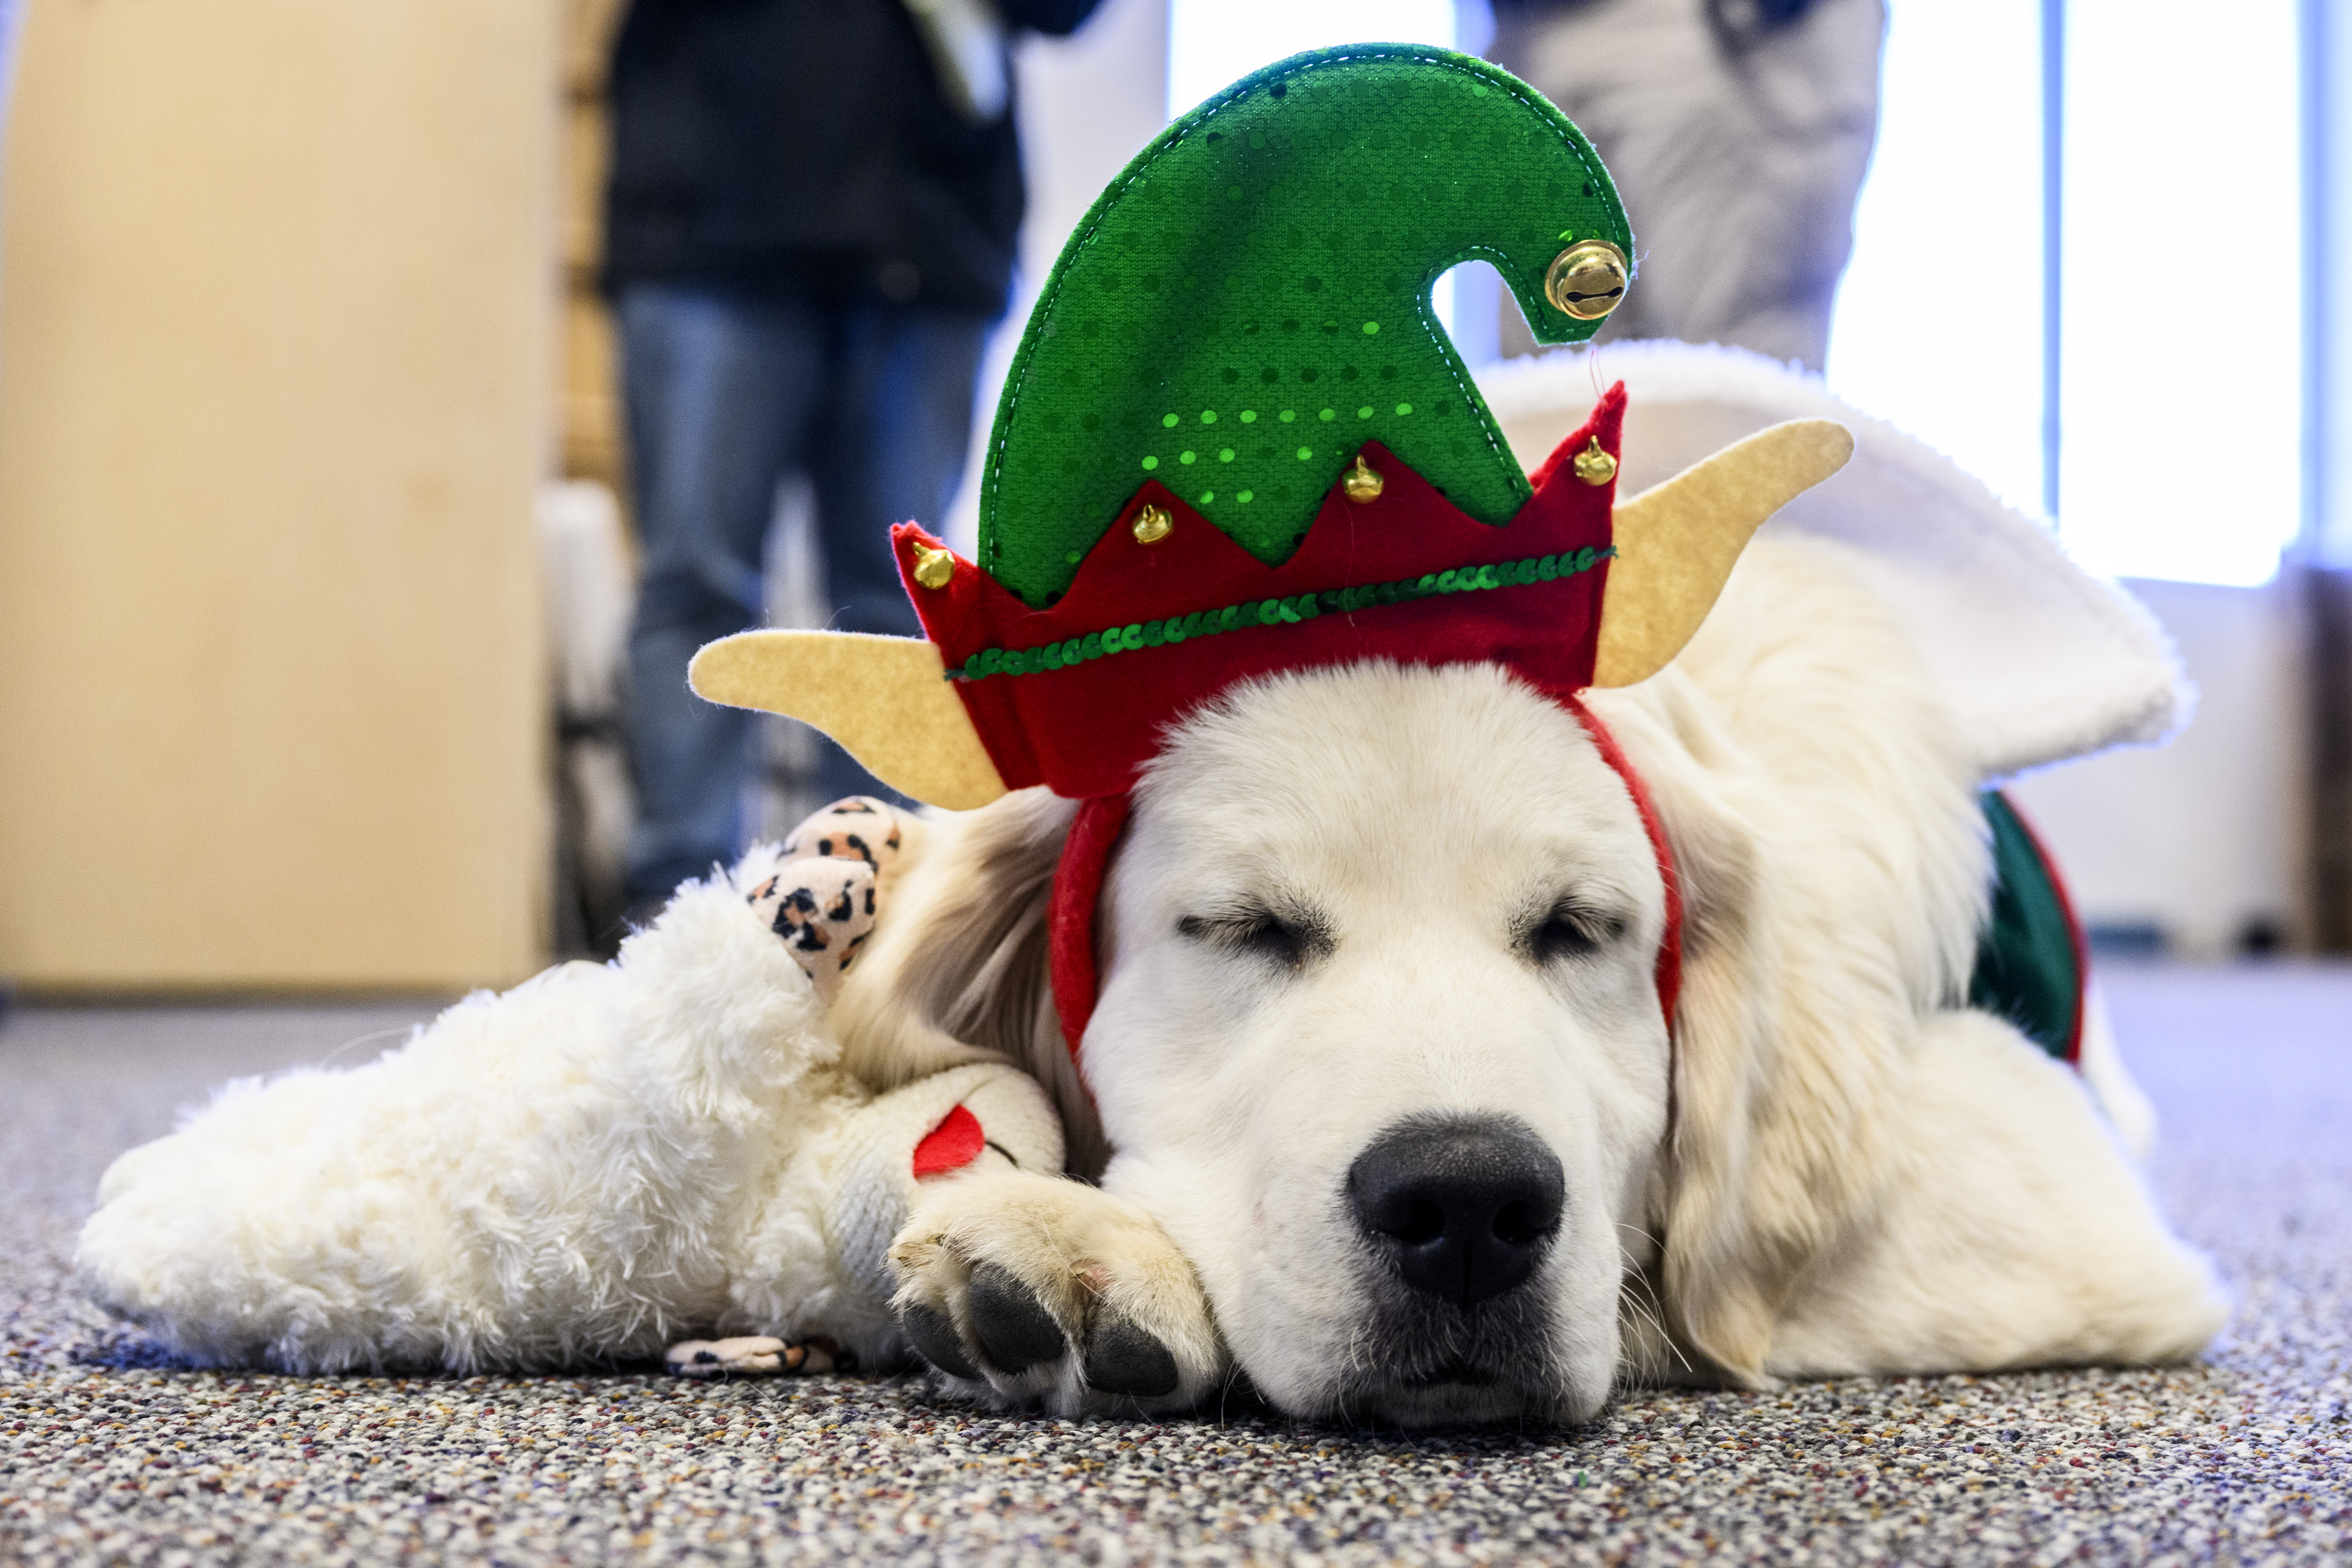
[1785, 1037]
[956, 969]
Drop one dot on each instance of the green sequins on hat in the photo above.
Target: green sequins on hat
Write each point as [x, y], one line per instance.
[1248, 303]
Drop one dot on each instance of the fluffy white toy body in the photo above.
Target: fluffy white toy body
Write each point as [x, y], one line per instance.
[586, 1167]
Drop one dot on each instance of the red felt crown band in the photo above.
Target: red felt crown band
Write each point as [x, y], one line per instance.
[1077, 694]
[1094, 832]
[1668, 975]
[1070, 918]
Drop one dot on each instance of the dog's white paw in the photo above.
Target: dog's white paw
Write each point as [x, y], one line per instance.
[1040, 1288]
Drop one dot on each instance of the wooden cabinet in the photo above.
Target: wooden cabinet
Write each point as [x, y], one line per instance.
[592, 444]
[280, 289]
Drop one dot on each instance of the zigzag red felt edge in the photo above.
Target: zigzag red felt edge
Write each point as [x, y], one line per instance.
[1086, 728]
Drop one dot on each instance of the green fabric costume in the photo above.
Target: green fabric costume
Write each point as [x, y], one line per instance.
[2028, 960]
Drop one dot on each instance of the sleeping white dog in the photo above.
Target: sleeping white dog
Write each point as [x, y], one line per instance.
[1379, 1108]
[1388, 1072]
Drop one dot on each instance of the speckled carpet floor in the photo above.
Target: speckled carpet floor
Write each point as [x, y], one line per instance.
[107, 1454]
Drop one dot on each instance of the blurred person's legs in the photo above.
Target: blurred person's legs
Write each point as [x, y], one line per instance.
[721, 391]
[893, 452]
[726, 394]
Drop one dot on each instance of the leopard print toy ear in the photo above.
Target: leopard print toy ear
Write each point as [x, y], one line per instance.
[821, 899]
[822, 909]
[858, 828]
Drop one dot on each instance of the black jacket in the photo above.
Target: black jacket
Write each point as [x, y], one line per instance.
[805, 145]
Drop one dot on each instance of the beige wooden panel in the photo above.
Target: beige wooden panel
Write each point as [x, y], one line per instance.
[586, 153]
[592, 448]
[278, 293]
[592, 444]
[589, 28]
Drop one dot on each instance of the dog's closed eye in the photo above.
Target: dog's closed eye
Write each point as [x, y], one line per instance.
[1289, 938]
[1570, 930]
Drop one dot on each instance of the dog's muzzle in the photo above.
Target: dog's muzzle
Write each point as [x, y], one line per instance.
[1462, 1208]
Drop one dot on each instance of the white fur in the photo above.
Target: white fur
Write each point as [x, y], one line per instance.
[1419, 812]
[587, 1167]
[1941, 1273]
[1860, 1175]
[2101, 1059]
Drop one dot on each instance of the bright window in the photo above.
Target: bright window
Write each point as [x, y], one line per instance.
[2180, 435]
[2180, 309]
[1938, 324]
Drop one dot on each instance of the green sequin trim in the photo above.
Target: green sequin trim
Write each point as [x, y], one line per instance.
[1289, 611]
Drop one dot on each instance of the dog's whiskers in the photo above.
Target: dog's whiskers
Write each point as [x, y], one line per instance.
[1647, 1363]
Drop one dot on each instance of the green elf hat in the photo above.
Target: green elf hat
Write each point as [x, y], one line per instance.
[1235, 441]
[1249, 303]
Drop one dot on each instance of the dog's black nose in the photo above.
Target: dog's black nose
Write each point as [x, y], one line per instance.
[1464, 1206]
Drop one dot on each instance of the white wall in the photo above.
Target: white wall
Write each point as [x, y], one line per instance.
[2204, 835]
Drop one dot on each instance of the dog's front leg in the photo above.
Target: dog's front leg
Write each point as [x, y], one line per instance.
[1034, 1288]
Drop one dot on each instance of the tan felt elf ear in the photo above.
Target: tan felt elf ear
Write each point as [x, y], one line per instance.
[1678, 542]
[886, 699]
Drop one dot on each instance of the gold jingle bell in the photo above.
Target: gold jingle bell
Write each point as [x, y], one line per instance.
[1595, 466]
[1153, 524]
[1362, 482]
[934, 568]
[1588, 279]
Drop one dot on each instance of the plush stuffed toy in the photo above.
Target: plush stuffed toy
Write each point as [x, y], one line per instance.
[588, 1167]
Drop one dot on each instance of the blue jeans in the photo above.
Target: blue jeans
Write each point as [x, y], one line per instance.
[726, 395]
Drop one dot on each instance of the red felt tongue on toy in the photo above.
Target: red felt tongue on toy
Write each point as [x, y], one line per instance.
[1086, 856]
